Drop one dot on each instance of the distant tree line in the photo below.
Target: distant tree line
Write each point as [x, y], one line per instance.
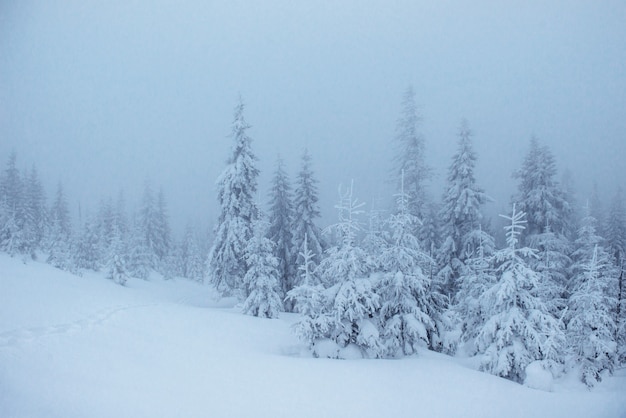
[427, 275]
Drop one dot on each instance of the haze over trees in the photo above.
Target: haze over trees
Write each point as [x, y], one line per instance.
[422, 274]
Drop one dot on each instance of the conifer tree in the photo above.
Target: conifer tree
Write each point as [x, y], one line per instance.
[60, 252]
[460, 216]
[615, 231]
[279, 231]
[539, 194]
[305, 213]
[34, 212]
[191, 253]
[410, 160]
[518, 329]
[479, 276]
[262, 277]
[87, 249]
[11, 209]
[590, 319]
[117, 258]
[236, 186]
[407, 306]
[345, 315]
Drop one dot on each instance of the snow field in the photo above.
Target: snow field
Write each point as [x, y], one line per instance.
[86, 347]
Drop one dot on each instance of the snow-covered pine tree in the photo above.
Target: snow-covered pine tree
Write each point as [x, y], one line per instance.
[279, 231]
[460, 216]
[539, 194]
[346, 260]
[407, 307]
[236, 186]
[34, 212]
[163, 232]
[306, 298]
[191, 253]
[519, 329]
[140, 256]
[87, 249]
[479, 276]
[590, 318]
[11, 209]
[374, 240]
[60, 253]
[615, 234]
[305, 213]
[346, 321]
[262, 277]
[410, 160]
[155, 227]
[548, 213]
[117, 258]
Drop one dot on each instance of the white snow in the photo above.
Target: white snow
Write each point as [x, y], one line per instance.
[86, 347]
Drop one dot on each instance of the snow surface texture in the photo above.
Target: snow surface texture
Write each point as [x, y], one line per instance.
[87, 347]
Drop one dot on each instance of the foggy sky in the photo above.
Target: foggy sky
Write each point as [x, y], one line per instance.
[104, 95]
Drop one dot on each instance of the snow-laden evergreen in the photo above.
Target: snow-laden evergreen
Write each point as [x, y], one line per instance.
[236, 194]
[192, 261]
[116, 266]
[615, 234]
[306, 212]
[410, 159]
[262, 279]
[460, 215]
[59, 241]
[479, 276]
[12, 232]
[591, 328]
[279, 231]
[407, 305]
[344, 324]
[519, 329]
[346, 260]
[539, 194]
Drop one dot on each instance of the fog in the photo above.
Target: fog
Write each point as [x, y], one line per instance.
[104, 95]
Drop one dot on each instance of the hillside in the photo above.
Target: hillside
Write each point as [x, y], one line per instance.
[85, 347]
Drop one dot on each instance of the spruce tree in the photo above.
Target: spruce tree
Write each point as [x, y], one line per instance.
[279, 231]
[344, 318]
[236, 186]
[460, 216]
[410, 160]
[590, 318]
[615, 234]
[305, 213]
[539, 194]
[519, 329]
[262, 277]
[60, 252]
[34, 212]
[407, 306]
[11, 209]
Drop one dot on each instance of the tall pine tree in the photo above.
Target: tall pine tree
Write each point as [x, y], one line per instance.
[236, 191]
[279, 231]
[306, 211]
[460, 215]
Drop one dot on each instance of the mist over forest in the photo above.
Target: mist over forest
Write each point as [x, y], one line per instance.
[393, 178]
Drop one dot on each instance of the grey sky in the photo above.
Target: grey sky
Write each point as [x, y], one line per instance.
[102, 95]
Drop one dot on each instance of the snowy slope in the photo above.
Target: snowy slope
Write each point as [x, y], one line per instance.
[85, 347]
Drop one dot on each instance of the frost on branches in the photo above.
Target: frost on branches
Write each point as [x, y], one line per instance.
[236, 195]
[261, 279]
[590, 322]
[343, 324]
[407, 305]
[519, 330]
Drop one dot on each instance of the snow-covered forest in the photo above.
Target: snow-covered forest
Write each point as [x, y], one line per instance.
[429, 270]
